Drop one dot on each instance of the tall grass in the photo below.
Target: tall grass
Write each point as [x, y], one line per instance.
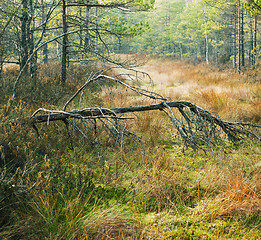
[214, 89]
[149, 189]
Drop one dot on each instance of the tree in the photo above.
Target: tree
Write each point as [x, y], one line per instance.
[65, 43]
[102, 28]
[5, 21]
[254, 5]
[204, 29]
[24, 36]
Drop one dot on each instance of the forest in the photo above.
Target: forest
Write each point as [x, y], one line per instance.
[130, 119]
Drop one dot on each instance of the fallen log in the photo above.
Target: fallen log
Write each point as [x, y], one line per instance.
[55, 115]
[197, 126]
[194, 124]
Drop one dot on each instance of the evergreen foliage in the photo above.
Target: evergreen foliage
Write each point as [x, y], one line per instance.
[201, 30]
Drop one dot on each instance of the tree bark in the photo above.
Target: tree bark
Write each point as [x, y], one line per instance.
[64, 48]
[242, 36]
[235, 40]
[33, 62]
[85, 113]
[250, 53]
[87, 34]
[80, 33]
[24, 39]
[180, 51]
[239, 37]
[45, 48]
[255, 40]
[206, 36]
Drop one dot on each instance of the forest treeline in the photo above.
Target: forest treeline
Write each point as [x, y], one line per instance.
[218, 31]
[65, 30]
[89, 30]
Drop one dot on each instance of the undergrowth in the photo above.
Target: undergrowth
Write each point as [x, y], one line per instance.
[54, 186]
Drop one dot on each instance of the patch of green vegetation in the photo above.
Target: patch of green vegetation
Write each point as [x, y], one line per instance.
[168, 225]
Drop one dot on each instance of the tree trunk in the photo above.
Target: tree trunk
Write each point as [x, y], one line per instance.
[254, 40]
[64, 48]
[235, 40]
[45, 48]
[180, 50]
[239, 37]
[216, 51]
[96, 25]
[33, 62]
[242, 36]
[87, 34]
[1, 66]
[1, 56]
[250, 53]
[206, 36]
[24, 40]
[80, 33]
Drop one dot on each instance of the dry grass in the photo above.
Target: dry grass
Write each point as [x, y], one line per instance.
[240, 196]
[110, 223]
[230, 95]
[171, 195]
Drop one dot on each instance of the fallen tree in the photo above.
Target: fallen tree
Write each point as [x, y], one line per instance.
[200, 124]
[194, 124]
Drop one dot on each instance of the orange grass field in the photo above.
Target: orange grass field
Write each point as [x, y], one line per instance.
[233, 96]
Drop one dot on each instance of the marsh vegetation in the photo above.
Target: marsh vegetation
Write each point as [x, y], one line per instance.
[146, 188]
[131, 119]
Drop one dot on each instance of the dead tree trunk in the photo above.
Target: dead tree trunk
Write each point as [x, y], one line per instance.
[196, 126]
